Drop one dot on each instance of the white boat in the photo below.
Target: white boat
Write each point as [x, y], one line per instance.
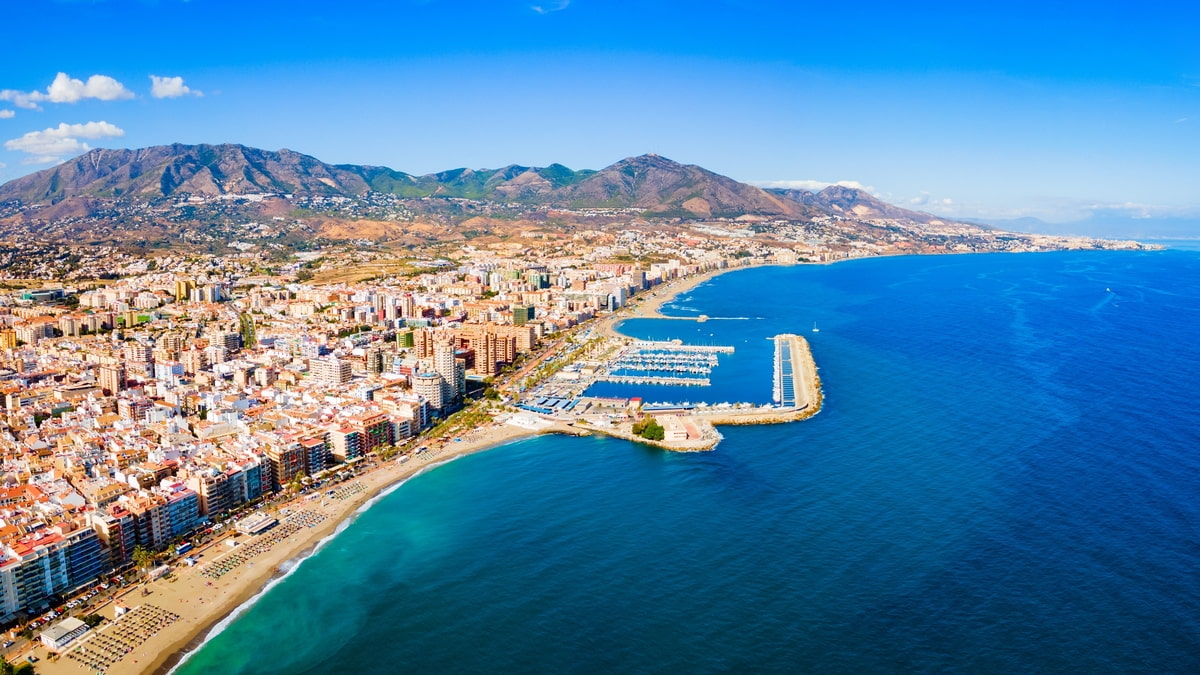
[815, 329]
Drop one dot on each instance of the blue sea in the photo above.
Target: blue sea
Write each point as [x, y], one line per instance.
[1005, 478]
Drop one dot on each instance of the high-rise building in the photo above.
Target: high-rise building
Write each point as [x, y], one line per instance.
[423, 342]
[112, 378]
[444, 345]
[429, 386]
[171, 341]
[485, 354]
[522, 314]
[194, 361]
[316, 454]
[117, 528]
[183, 289]
[285, 462]
[374, 361]
[330, 371]
[215, 490]
[138, 353]
[183, 508]
[408, 306]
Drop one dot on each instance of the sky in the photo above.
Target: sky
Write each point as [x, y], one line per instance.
[1073, 113]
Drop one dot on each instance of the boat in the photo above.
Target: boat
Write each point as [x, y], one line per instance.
[815, 329]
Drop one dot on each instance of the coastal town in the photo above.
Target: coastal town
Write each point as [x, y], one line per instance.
[176, 426]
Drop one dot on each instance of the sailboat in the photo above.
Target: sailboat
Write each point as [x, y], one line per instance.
[815, 329]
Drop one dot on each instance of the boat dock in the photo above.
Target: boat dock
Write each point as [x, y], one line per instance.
[646, 379]
[663, 363]
[793, 371]
[677, 346]
[785, 372]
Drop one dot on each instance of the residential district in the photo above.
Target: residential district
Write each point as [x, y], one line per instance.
[143, 412]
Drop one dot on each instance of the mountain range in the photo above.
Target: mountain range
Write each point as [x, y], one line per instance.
[100, 181]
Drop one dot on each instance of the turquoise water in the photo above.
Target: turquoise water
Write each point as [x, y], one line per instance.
[1005, 478]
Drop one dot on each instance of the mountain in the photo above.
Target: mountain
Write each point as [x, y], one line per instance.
[661, 185]
[166, 170]
[116, 193]
[855, 203]
[650, 181]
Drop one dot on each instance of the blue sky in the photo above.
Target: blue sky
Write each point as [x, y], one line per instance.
[1059, 111]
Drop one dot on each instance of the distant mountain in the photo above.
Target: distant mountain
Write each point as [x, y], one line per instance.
[166, 170]
[670, 188]
[855, 203]
[87, 185]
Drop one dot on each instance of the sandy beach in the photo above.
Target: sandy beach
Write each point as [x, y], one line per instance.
[201, 599]
[189, 603]
[649, 304]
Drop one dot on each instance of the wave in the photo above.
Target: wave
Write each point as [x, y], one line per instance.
[289, 566]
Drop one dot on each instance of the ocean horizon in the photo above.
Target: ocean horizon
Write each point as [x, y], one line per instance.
[1003, 479]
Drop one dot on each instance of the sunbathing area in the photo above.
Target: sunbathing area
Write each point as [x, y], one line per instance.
[347, 491]
[262, 543]
[100, 649]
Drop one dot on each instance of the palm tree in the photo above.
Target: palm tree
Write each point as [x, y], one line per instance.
[142, 558]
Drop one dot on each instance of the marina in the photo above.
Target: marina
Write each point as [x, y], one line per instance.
[663, 363]
[647, 379]
[785, 371]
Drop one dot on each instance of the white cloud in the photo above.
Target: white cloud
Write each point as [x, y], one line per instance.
[812, 185]
[548, 9]
[170, 87]
[50, 145]
[21, 99]
[66, 89]
[6, 114]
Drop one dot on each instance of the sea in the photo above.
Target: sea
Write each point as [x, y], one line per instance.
[1004, 478]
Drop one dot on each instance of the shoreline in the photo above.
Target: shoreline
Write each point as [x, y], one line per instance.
[244, 590]
[650, 307]
[185, 591]
[707, 422]
[204, 604]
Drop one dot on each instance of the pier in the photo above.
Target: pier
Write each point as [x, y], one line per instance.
[665, 363]
[676, 346]
[640, 379]
[794, 372]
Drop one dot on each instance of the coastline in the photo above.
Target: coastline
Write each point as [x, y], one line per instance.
[203, 604]
[651, 305]
[206, 606]
[237, 591]
[808, 383]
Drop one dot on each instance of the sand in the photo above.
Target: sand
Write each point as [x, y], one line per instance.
[201, 602]
[649, 304]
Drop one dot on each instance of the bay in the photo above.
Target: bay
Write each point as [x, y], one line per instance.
[1004, 478]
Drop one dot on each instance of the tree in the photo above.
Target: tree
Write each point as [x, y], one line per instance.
[649, 429]
[142, 558]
